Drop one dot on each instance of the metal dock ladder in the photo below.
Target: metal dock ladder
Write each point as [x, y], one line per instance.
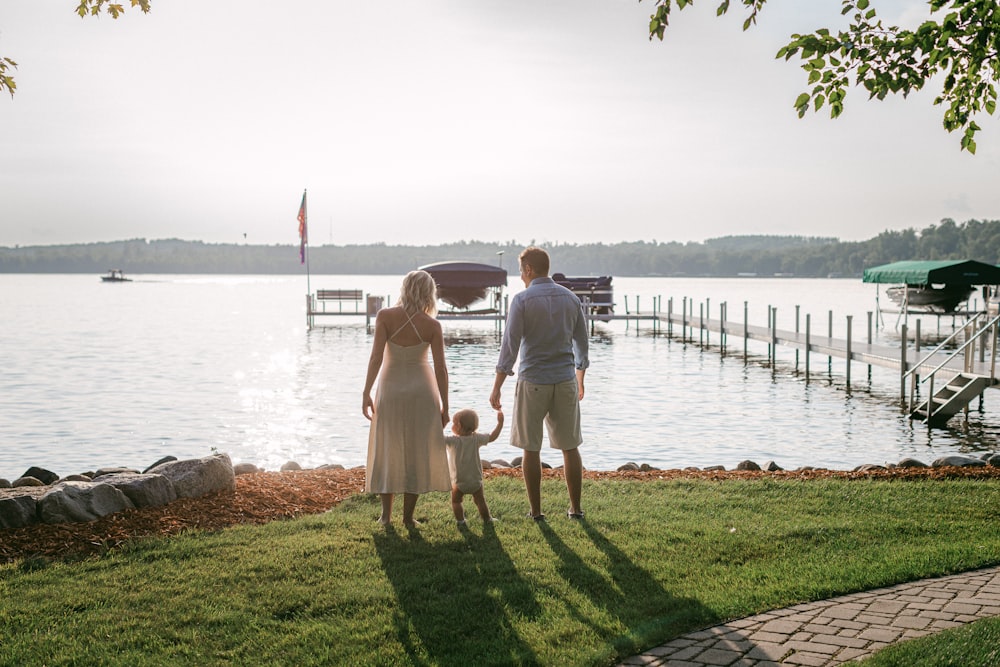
[970, 382]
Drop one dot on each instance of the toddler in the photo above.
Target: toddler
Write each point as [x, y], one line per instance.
[464, 463]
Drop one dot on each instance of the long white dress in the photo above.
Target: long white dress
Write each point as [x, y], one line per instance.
[406, 452]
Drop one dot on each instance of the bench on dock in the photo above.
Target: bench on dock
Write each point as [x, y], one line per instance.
[352, 297]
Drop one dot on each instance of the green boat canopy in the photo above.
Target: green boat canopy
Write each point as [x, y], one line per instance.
[947, 272]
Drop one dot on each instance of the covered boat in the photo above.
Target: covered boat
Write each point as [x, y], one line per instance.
[933, 286]
[461, 284]
[595, 292]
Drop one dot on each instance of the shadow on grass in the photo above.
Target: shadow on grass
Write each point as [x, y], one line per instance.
[631, 597]
[458, 602]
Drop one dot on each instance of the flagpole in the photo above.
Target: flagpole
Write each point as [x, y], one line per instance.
[303, 218]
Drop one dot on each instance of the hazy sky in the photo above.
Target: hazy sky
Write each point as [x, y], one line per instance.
[449, 120]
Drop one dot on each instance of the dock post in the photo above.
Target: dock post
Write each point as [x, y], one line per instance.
[684, 310]
[770, 319]
[774, 337]
[829, 334]
[746, 331]
[808, 333]
[902, 366]
[701, 325]
[797, 308]
[708, 327]
[309, 313]
[722, 327]
[670, 316]
[869, 344]
[850, 320]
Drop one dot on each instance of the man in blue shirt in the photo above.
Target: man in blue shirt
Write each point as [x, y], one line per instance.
[547, 327]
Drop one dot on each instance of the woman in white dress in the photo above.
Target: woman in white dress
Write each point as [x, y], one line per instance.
[406, 451]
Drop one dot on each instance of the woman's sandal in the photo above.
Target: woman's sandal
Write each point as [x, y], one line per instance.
[575, 515]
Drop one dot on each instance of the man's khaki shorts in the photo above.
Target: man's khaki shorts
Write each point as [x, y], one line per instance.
[557, 405]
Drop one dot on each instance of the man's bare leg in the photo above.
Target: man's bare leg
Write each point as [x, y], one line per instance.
[573, 469]
[531, 468]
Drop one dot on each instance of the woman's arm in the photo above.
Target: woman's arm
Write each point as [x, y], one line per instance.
[440, 370]
[374, 364]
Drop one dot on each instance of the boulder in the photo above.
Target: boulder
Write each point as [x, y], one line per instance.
[631, 465]
[4, 484]
[290, 465]
[81, 501]
[747, 465]
[500, 463]
[76, 478]
[868, 467]
[515, 462]
[715, 469]
[330, 466]
[144, 490]
[17, 511]
[909, 462]
[645, 467]
[41, 474]
[27, 481]
[771, 466]
[994, 461]
[957, 460]
[165, 459]
[193, 478]
[245, 469]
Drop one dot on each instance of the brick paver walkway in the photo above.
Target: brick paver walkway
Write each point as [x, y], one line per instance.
[832, 632]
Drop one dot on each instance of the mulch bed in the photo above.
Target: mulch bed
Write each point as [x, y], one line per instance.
[270, 496]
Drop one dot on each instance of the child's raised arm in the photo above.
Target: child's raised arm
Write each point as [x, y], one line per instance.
[496, 431]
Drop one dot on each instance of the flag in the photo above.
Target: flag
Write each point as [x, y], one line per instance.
[303, 229]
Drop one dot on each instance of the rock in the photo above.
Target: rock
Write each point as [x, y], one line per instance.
[771, 466]
[645, 467]
[868, 467]
[144, 490]
[546, 466]
[245, 469]
[330, 466]
[994, 461]
[17, 511]
[516, 462]
[486, 464]
[76, 478]
[112, 471]
[193, 478]
[909, 462]
[81, 501]
[715, 469]
[41, 474]
[747, 465]
[500, 463]
[27, 481]
[290, 465]
[957, 460]
[4, 484]
[165, 459]
[628, 466]
[692, 469]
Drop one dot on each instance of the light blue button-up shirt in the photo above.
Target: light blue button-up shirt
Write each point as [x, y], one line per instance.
[547, 326]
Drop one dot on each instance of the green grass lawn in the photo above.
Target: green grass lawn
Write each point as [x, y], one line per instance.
[653, 560]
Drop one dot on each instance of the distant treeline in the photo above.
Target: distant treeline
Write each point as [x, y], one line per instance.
[725, 256]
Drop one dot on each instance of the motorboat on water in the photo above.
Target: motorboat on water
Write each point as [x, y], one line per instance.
[462, 284]
[595, 292]
[942, 299]
[115, 276]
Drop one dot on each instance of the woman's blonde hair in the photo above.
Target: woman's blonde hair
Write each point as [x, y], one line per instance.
[418, 293]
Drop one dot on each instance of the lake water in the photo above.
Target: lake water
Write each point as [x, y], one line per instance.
[100, 374]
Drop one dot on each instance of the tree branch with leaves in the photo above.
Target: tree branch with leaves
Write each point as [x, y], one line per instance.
[84, 8]
[962, 44]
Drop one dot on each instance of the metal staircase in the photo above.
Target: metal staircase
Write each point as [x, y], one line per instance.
[952, 398]
[964, 386]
